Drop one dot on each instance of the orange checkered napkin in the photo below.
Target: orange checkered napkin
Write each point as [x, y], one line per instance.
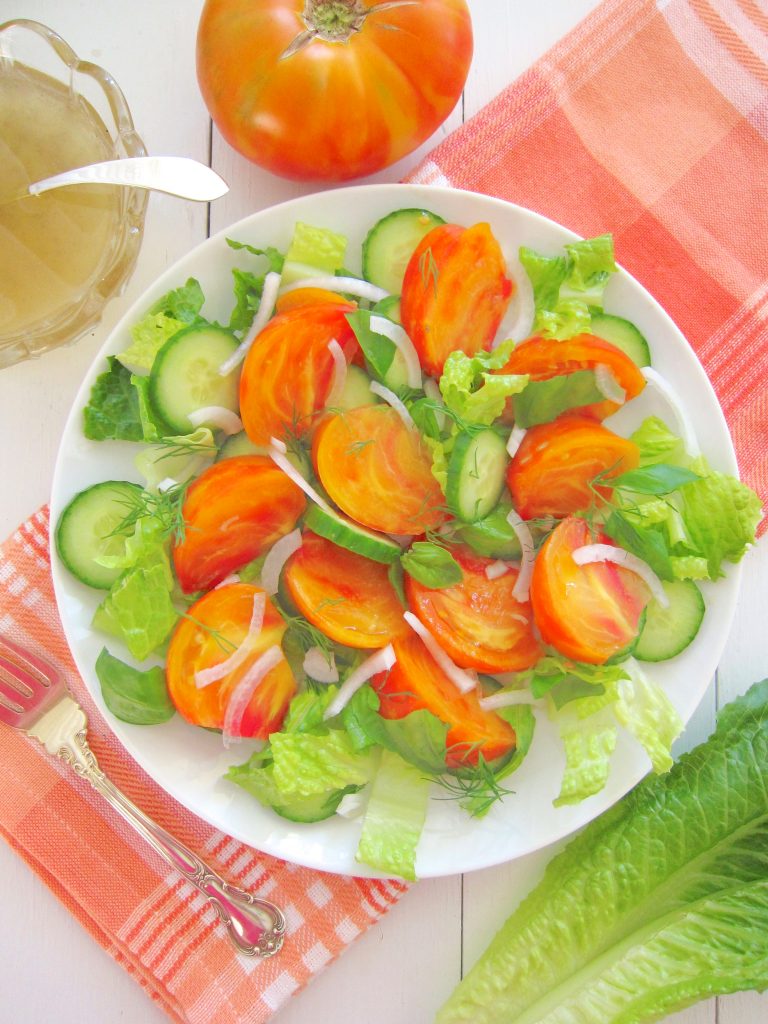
[151, 920]
[650, 120]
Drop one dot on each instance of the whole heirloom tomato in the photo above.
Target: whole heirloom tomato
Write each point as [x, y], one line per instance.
[327, 90]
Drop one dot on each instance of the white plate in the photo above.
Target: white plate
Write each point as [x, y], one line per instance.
[189, 762]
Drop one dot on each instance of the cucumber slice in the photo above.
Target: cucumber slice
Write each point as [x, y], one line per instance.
[668, 631]
[351, 535]
[239, 444]
[356, 391]
[390, 243]
[185, 375]
[623, 335]
[87, 529]
[476, 473]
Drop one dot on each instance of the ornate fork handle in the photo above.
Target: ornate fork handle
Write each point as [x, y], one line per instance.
[256, 927]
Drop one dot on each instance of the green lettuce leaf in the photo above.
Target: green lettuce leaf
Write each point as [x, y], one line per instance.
[645, 710]
[112, 412]
[542, 401]
[566, 287]
[313, 250]
[249, 287]
[139, 608]
[179, 458]
[657, 444]
[306, 764]
[660, 902]
[132, 695]
[172, 312]
[394, 817]
[589, 743]
[471, 392]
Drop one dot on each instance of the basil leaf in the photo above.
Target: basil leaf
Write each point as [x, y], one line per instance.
[658, 479]
[132, 695]
[542, 401]
[648, 544]
[433, 566]
[378, 350]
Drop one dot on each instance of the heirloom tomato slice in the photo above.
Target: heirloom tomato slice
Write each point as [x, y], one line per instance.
[232, 512]
[416, 682]
[347, 596]
[216, 631]
[478, 622]
[586, 612]
[553, 470]
[544, 358]
[309, 296]
[378, 470]
[289, 370]
[455, 293]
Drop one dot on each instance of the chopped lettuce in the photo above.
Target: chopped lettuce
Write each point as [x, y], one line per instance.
[658, 903]
[566, 287]
[646, 711]
[249, 286]
[139, 609]
[471, 392]
[313, 251]
[589, 743]
[112, 412]
[170, 314]
[306, 764]
[394, 817]
[177, 458]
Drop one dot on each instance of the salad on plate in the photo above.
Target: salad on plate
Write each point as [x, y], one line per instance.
[386, 525]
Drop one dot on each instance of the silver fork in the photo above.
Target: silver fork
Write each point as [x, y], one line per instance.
[34, 698]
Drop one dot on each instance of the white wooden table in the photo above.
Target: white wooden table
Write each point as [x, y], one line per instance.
[404, 967]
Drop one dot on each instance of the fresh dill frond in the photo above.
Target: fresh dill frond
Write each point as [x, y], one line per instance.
[223, 642]
[476, 788]
[165, 507]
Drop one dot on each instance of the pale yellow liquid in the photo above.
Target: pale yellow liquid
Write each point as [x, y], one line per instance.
[54, 246]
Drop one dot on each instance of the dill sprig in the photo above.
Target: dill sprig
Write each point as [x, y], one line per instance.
[227, 645]
[182, 446]
[165, 507]
[476, 788]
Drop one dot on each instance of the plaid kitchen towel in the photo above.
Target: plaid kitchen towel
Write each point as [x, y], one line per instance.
[151, 920]
[650, 120]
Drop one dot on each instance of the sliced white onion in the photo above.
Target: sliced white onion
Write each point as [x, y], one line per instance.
[348, 285]
[391, 399]
[684, 425]
[281, 446]
[218, 417]
[397, 335]
[282, 462]
[276, 558]
[166, 484]
[240, 697]
[228, 581]
[463, 680]
[518, 321]
[206, 676]
[269, 295]
[339, 373]
[506, 699]
[609, 553]
[380, 661]
[515, 440]
[522, 586]
[352, 805]
[608, 385]
[497, 569]
[317, 665]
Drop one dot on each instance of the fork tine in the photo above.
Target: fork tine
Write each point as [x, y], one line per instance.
[20, 683]
[32, 664]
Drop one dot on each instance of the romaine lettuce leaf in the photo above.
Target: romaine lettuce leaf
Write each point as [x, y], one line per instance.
[139, 609]
[178, 458]
[394, 817]
[565, 287]
[661, 901]
[471, 392]
[313, 250]
[172, 312]
[112, 412]
[306, 764]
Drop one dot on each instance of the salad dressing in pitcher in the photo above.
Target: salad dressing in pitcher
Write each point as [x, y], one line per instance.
[53, 246]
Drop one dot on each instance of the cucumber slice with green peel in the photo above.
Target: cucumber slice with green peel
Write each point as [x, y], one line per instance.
[356, 390]
[476, 474]
[390, 244]
[239, 444]
[89, 528]
[351, 535]
[668, 631]
[623, 334]
[185, 376]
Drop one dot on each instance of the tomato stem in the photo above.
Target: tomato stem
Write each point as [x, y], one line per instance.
[336, 20]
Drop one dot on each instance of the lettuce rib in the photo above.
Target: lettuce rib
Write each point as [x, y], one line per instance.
[660, 902]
